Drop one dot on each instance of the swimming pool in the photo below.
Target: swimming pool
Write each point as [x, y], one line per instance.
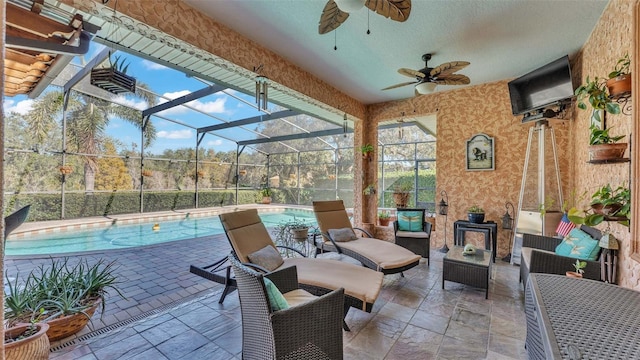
[133, 235]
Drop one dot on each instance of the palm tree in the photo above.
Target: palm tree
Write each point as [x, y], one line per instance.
[87, 120]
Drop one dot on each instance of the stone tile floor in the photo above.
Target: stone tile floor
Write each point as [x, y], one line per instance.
[172, 314]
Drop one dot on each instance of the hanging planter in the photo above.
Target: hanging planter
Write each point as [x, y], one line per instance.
[242, 172]
[114, 78]
[147, 173]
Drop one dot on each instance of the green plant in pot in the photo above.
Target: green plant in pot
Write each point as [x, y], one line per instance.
[604, 147]
[296, 229]
[595, 93]
[401, 192]
[366, 150]
[63, 295]
[266, 195]
[384, 217]
[607, 204]
[620, 78]
[579, 266]
[475, 214]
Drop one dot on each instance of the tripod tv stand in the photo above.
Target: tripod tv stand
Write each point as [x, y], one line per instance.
[540, 201]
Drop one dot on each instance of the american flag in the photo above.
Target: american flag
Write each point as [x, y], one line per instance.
[565, 226]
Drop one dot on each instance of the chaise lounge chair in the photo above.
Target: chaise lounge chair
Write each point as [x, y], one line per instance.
[376, 254]
[252, 243]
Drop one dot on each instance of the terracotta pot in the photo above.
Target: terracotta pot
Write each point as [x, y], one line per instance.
[266, 199]
[606, 210]
[619, 85]
[34, 347]
[607, 151]
[384, 222]
[300, 234]
[574, 274]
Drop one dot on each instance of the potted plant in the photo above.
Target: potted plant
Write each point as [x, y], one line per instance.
[266, 195]
[384, 218]
[595, 92]
[27, 341]
[366, 150]
[62, 295]
[578, 265]
[607, 204]
[369, 190]
[401, 192]
[603, 147]
[619, 81]
[114, 78]
[295, 229]
[476, 214]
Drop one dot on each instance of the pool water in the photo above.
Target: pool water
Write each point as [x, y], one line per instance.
[126, 236]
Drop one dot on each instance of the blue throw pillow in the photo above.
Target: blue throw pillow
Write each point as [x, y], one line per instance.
[410, 220]
[579, 245]
[276, 299]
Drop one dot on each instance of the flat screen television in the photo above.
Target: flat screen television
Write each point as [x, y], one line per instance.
[545, 86]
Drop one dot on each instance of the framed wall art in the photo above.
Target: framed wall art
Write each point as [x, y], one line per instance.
[480, 153]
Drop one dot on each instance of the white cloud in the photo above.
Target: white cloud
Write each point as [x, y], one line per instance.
[214, 142]
[21, 107]
[134, 103]
[216, 106]
[150, 65]
[175, 134]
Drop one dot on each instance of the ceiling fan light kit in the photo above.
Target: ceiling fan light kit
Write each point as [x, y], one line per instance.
[350, 6]
[427, 78]
[426, 87]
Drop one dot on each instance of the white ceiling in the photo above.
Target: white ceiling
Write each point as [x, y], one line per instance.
[502, 39]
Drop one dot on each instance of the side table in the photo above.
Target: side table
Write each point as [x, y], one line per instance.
[489, 229]
[473, 270]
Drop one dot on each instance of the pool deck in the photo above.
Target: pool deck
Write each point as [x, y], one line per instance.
[170, 313]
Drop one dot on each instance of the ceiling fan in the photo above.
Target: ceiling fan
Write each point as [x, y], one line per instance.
[336, 12]
[427, 78]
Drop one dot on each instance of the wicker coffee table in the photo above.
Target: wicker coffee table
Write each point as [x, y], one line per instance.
[472, 270]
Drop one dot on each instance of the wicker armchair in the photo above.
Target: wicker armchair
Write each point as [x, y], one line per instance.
[308, 330]
[547, 262]
[418, 241]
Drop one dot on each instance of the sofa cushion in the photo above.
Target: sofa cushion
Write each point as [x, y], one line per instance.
[267, 257]
[412, 234]
[298, 296]
[276, 299]
[342, 235]
[410, 220]
[579, 245]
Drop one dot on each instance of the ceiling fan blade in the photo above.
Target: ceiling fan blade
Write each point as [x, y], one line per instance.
[454, 79]
[400, 85]
[397, 10]
[331, 18]
[448, 68]
[410, 73]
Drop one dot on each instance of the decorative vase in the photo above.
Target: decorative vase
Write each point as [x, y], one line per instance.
[65, 326]
[476, 218]
[34, 347]
[619, 85]
[603, 152]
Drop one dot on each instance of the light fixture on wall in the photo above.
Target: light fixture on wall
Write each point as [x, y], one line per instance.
[443, 209]
[507, 224]
[262, 87]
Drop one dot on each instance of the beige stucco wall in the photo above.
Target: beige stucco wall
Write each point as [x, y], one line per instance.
[610, 40]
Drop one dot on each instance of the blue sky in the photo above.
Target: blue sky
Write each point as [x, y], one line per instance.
[171, 84]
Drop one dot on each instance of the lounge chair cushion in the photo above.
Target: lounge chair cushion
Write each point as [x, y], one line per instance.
[385, 254]
[276, 299]
[298, 296]
[267, 257]
[359, 282]
[342, 235]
